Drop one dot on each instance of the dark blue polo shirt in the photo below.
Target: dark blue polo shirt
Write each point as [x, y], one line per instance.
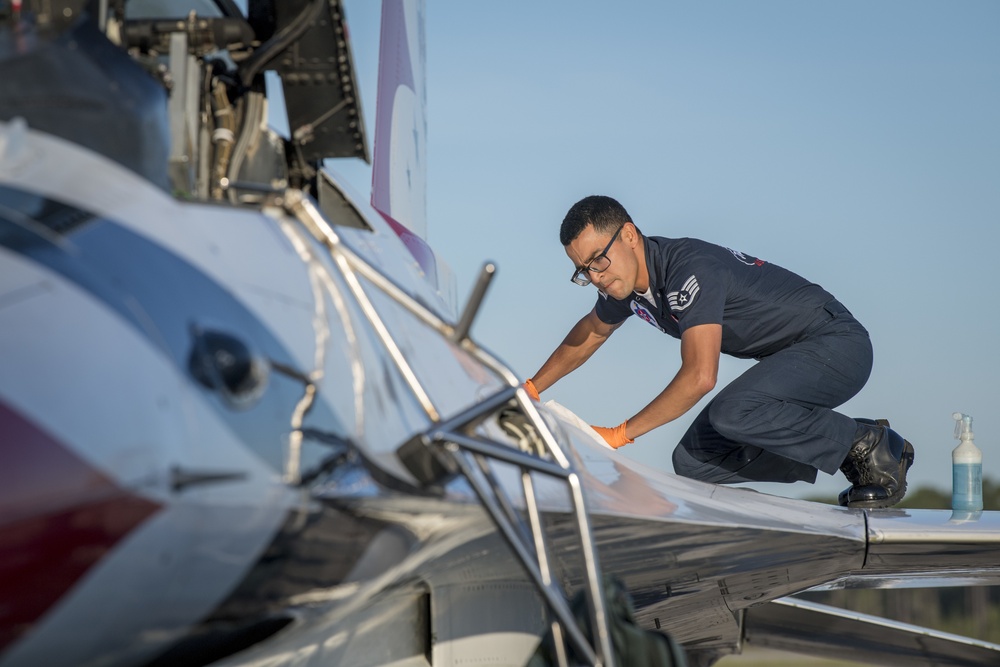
[762, 307]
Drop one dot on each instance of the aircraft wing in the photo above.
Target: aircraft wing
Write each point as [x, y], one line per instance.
[703, 562]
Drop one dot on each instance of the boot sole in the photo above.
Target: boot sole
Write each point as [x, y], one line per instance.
[905, 461]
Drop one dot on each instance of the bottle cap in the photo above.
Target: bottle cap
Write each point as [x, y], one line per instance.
[963, 425]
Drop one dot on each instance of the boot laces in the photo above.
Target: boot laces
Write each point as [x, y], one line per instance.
[862, 467]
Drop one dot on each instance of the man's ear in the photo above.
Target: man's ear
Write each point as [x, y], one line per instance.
[630, 234]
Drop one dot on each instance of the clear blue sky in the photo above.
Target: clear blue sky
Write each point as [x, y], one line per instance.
[854, 142]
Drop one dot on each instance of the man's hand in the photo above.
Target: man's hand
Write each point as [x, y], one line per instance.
[529, 387]
[614, 436]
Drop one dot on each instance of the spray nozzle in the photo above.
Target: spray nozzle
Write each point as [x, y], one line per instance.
[963, 425]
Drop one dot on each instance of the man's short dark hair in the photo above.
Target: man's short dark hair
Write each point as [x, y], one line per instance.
[604, 213]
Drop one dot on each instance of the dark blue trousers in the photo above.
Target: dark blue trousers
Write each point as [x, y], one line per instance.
[775, 422]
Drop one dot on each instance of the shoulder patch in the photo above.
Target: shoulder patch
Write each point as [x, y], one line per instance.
[684, 297]
[746, 259]
[644, 314]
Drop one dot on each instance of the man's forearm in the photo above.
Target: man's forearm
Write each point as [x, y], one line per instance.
[578, 346]
[700, 349]
[679, 396]
[566, 359]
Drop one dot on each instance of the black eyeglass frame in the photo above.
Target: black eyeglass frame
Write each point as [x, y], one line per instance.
[581, 277]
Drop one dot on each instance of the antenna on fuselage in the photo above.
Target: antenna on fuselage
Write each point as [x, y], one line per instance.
[475, 301]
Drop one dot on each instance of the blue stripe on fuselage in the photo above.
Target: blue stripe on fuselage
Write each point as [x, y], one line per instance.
[161, 295]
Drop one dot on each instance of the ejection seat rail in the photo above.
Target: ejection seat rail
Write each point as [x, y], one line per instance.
[455, 450]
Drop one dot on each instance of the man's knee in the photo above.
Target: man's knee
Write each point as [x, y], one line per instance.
[697, 463]
[685, 465]
[730, 417]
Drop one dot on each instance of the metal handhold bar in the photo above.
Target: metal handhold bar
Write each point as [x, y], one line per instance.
[513, 517]
[501, 453]
[535, 522]
[555, 601]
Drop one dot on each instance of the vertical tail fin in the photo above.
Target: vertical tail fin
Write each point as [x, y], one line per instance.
[399, 178]
[399, 167]
[399, 174]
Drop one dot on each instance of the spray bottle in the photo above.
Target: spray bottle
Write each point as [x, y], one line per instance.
[966, 468]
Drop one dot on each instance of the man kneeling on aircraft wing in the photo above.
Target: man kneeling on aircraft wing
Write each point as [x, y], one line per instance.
[774, 423]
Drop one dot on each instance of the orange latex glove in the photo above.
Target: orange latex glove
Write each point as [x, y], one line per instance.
[529, 387]
[614, 436]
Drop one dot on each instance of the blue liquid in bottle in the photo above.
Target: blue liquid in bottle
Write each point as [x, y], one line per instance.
[967, 486]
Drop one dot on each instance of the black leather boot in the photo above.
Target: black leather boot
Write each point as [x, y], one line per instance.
[876, 467]
[847, 467]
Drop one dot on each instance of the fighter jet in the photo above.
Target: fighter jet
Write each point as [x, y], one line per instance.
[243, 421]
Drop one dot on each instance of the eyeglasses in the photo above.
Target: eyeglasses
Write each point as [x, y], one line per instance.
[600, 263]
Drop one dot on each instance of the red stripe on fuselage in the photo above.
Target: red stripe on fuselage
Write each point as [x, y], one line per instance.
[58, 517]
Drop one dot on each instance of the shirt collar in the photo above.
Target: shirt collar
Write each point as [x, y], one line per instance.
[653, 249]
